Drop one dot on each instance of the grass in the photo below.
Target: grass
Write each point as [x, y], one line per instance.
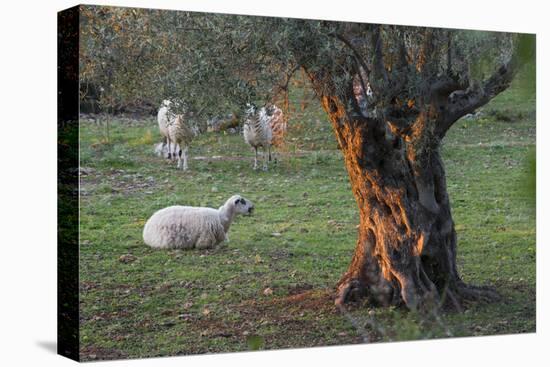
[270, 286]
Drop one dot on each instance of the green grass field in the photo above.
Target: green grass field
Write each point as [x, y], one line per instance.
[270, 287]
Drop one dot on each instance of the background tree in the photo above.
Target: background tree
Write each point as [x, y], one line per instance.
[390, 92]
[211, 63]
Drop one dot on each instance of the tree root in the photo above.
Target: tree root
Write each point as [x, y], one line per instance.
[349, 290]
[477, 293]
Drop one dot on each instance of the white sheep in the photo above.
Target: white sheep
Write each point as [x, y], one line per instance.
[164, 116]
[181, 134]
[187, 227]
[262, 129]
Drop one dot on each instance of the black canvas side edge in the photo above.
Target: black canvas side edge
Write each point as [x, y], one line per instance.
[67, 183]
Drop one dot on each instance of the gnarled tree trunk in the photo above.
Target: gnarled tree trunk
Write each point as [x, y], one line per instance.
[406, 247]
[391, 102]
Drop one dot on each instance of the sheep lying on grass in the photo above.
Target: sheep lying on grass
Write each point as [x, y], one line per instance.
[187, 227]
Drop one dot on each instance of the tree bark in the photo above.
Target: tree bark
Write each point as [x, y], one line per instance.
[406, 247]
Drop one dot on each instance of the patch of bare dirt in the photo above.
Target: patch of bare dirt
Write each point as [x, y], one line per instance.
[119, 182]
[92, 353]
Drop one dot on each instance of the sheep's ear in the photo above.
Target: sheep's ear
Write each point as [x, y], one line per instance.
[237, 201]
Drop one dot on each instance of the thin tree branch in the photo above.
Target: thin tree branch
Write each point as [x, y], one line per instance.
[284, 87]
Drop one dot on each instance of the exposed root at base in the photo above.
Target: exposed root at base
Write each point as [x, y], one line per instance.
[477, 293]
[351, 290]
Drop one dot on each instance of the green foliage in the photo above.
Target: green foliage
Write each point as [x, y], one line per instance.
[151, 55]
[215, 63]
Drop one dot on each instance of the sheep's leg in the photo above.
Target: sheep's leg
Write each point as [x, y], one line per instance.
[255, 158]
[180, 160]
[269, 150]
[185, 167]
[164, 142]
[275, 156]
[176, 154]
[272, 155]
[221, 240]
[203, 243]
[266, 157]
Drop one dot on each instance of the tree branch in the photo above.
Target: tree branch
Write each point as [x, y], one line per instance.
[463, 102]
[356, 53]
[284, 87]
[379, 68]
[402, 56]
[357, 107]
[426, 52]
[445, 85]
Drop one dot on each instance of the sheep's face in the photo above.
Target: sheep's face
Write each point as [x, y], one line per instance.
[242, 205]
[250, 109]
[270, 109]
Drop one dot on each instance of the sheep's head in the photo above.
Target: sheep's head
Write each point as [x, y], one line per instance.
[242, 205]
[250, 109]
[270, 109]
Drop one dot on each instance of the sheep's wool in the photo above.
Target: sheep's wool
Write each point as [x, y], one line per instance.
[180, 135]
[278, 125]
[184, 227]
[257, 131]
[263, 128]
[179, 132]
[162, 118]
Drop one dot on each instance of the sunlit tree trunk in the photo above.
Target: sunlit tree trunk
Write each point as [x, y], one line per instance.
[406, 247]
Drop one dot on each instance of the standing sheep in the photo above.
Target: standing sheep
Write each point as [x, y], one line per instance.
[260, 128]
[187, 227]
[164, 116]
[181, 135]
[277, 124]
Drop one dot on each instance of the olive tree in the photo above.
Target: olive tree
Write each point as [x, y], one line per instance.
[391, 94]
